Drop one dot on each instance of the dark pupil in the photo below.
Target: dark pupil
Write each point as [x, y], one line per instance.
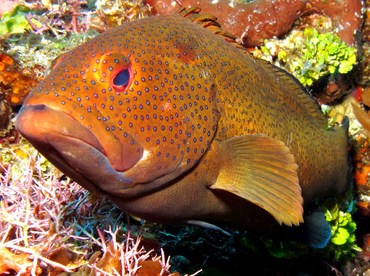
[122, 78]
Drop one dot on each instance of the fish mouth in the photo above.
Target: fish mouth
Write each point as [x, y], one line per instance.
[71, 147]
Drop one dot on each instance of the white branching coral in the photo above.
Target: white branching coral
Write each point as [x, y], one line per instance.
[49, 224]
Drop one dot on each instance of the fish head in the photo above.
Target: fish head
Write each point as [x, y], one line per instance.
[127, 111]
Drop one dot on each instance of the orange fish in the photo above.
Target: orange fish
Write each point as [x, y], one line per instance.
[177, 125]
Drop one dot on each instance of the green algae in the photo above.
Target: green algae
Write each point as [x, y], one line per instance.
[310, 55]
[15, 22]
[343, 241]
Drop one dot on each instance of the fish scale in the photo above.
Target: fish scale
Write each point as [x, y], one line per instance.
[177, 124]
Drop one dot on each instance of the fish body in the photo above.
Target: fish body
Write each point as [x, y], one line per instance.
[175, 124]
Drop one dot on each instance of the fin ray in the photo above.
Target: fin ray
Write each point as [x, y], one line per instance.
[262, 170]
[304, 102]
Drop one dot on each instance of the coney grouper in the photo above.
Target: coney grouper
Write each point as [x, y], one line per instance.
[175, 124]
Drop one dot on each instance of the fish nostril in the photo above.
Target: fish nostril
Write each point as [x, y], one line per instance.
[36, 107]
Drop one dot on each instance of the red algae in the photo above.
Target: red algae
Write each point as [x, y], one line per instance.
[15, 82]
[345, 14]
[255, 21]
[252, 22]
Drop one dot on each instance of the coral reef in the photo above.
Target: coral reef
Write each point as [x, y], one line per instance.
[361, 160]
[365, 61]
[360, 141]
[15, 83]
[255, 21]
[113, 13]
[48, 224]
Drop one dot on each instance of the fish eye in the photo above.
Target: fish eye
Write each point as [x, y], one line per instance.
[121, 79]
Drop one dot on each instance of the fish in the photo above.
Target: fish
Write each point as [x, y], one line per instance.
[175, 123]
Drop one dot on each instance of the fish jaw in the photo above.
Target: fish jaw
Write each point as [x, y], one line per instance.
[71, 147]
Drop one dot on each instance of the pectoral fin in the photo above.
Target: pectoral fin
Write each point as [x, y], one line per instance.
[263, 171]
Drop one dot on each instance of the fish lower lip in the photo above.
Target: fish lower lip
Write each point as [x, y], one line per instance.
[70, 146]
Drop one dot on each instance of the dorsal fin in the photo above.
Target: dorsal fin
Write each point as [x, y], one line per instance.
[304, 101]
[209, 22]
